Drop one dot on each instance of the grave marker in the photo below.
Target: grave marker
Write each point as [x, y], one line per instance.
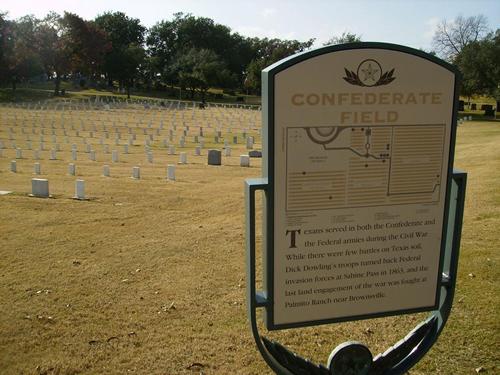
[79, 190]
[244, 161]
[40, 188]
[136, 173]
[214, 157]
[171, 172]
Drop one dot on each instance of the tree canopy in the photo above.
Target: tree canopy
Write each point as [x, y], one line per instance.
[194, 53]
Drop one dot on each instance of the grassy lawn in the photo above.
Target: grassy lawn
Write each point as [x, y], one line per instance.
[148, 276]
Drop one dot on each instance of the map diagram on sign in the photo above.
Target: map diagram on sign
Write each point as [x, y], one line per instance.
[332, 167]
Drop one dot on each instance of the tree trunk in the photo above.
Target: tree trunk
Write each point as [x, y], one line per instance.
[14, 84]
[128, 90]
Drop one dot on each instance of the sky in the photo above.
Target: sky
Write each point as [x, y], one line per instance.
[406, 22]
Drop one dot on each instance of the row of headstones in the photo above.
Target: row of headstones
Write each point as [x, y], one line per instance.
[40, 186]
[112, 103]
[214, 158]
[118, 135]
[115, 154]
[182, 142]
[136, 171]
[135, 115]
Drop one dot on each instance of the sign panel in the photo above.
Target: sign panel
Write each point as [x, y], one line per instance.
[359, 161]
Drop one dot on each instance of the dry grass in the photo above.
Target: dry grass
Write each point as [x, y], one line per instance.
[148, 276]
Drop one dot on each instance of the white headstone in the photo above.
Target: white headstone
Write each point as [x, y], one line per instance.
[37, 168]
[249, 143]
[13, 166]
[73, 154]
[171, 150]
[105, 171]
[114, 156]
[19, 153]
[79, 189]
[71, 169]
[227, 151]
[40, 187]
[92, 155]
[52, 154]
[125, 148]
[136, 173]
[171, 172]
[244, 161]
[183, 158]
[150, 157]
[197, 150]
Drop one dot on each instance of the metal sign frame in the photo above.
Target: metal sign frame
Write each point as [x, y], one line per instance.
[423, 337]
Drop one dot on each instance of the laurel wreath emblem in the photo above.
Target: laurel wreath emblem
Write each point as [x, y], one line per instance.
[384, 79]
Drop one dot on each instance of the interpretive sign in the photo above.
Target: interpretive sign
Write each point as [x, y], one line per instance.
[358, 149]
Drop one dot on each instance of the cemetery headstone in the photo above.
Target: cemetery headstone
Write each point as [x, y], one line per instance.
[214, 157]
[79, 190]
[244, 161]
[105, 171]
[136, 173]
[40, 188]
[171, 172]
[71, 169]
[255, 154]
[249, 143]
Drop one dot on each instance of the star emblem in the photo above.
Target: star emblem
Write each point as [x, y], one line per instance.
[369, 73]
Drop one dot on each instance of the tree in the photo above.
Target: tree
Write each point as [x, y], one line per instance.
[86, 43]
[19, 60]
[478, 62]
[346, 37]
[167, 40]
[451, 37]
[267, 52]
[53, 48]
[126, 37]
[200, 69]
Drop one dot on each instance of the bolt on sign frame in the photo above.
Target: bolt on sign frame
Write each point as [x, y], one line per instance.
[363, 209]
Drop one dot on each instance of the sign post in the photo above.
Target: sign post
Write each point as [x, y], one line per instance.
[363, 209]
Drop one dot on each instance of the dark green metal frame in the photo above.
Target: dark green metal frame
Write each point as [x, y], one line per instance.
[423, 337]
